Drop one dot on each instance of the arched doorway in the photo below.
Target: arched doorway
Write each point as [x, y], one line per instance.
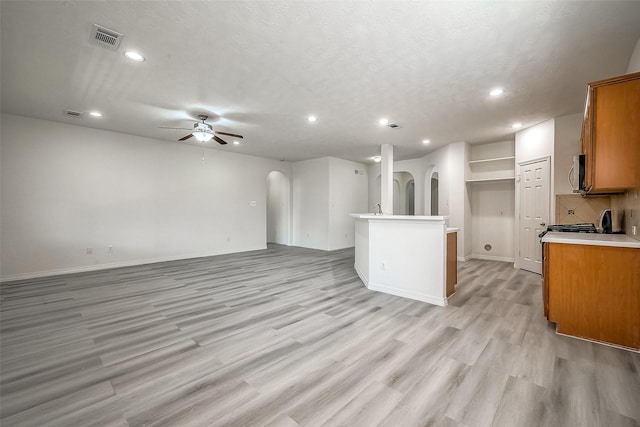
[278, 208]
[411, 197]
[431, 196]
[434, 194]
[403, 193]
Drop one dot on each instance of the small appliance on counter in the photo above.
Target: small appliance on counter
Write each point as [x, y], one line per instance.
[610, 222]
[605, 221]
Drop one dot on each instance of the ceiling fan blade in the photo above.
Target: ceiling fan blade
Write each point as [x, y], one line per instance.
[228, 134]
[186, 137]
[220, 141]
[165, 127]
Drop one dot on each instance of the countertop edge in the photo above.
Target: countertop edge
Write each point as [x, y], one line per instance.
[592, 239]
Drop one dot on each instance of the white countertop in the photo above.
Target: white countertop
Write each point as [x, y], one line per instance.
[397, 217]
[593, 239]
[452, 230]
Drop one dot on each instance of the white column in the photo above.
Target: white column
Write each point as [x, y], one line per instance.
[386, 179]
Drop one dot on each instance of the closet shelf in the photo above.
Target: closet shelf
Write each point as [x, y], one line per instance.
[510, 178]
[495, 160]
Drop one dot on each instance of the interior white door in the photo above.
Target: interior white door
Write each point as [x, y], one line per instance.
[534, 213]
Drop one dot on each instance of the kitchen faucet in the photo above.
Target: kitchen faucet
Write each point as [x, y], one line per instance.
[379, 212]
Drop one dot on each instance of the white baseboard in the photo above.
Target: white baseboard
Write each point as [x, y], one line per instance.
[361, 276]
[409, 294]
[107, 266]
[492, 258]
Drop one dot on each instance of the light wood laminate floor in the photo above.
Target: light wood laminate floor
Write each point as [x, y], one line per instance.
[290, 336]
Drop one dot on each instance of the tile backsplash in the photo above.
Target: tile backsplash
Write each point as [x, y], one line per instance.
[575, 209]
[630, 202]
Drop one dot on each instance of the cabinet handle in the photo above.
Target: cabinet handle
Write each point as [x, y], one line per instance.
[542, 224]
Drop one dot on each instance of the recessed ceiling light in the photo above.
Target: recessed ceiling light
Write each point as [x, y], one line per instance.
[377, 159]
[236, 142]
[95, 113]
[496, 92]
[425, 141]
[384, 122]
[312, 119]
[134, 56]
[516, 125]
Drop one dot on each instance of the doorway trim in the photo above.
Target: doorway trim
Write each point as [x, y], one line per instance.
[517, 221]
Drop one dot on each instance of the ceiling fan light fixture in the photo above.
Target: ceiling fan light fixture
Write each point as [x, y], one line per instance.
[202, 135]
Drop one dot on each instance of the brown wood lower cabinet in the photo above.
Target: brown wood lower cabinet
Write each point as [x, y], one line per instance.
[594, 292]
[452, 262]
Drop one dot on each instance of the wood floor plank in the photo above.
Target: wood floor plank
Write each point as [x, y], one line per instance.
[291, 337]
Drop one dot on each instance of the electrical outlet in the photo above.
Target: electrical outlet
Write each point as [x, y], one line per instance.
[571, 212]
[110, 249]
[89, 251]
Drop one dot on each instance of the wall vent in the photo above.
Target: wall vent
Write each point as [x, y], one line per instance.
[73, 113]
[105, 37]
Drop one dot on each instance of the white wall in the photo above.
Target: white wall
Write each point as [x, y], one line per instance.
[492, 206]
[493, 220]
[416, 169]
[278, 208]
[66, 188]
[310, 203]
[453, 198]
[566, 145]
[325, 192]
[634, 61]
[348, 193]
[536, 142]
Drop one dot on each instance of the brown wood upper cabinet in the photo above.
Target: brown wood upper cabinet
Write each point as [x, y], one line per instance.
[611, 134]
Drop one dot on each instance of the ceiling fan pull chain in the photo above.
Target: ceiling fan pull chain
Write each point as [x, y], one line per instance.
[203, 154]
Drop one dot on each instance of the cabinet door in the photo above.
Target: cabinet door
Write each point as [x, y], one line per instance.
[594, 292]
[587, 139]
[616, 136]
[545, 279]
[452, 263]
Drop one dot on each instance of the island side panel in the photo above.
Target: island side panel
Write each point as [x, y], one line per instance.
[407, 258]
[362, 250]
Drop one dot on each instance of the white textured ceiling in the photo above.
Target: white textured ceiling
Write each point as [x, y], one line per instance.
[260, 67]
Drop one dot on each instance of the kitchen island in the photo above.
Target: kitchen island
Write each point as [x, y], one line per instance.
[591, 286]
[406, 255]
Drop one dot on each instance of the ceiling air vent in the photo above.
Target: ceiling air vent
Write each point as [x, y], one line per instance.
[72, 113]
[105, 37]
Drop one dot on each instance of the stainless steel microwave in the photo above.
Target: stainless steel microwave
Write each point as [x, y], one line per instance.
[577, 175]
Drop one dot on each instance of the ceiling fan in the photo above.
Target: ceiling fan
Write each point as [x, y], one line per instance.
[204, 132]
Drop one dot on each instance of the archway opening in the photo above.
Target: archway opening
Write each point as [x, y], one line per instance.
[434, 194]
[411, 197]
